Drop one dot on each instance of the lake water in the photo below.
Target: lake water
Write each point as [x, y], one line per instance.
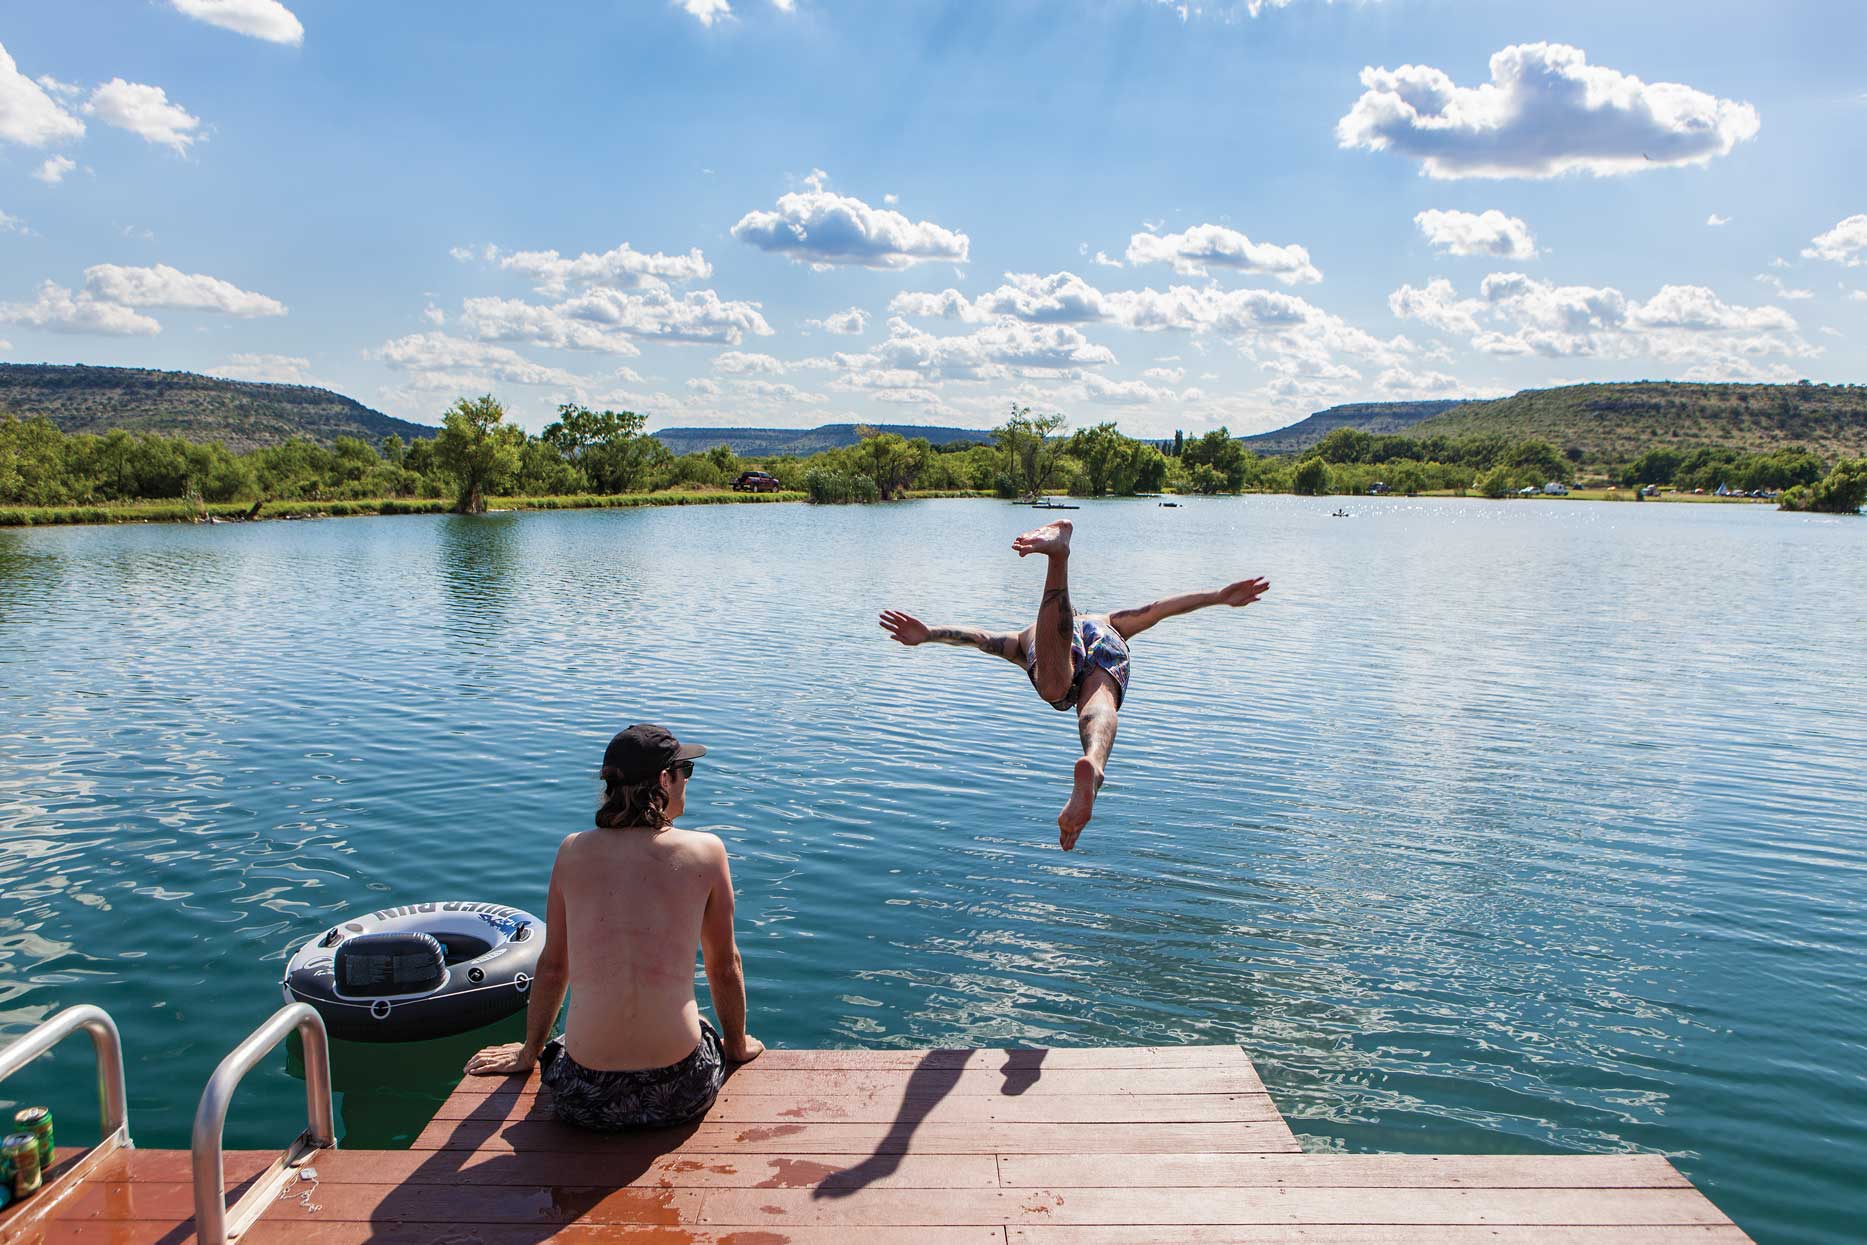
[1496, 827]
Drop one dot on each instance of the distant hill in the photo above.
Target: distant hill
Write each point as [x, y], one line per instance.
[241, 414]
[1615, 423]
[1382, 417]
[756, 442]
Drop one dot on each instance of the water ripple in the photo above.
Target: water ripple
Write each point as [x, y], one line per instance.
[1495, 827]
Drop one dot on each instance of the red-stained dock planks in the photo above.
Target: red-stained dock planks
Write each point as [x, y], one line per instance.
[951, 1147]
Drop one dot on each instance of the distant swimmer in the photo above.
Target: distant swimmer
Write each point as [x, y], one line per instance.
[1075, 661]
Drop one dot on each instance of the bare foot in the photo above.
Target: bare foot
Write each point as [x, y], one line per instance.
[1051, 539]
[1075, 814]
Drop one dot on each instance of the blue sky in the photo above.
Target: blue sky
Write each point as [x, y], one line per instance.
[794, 212]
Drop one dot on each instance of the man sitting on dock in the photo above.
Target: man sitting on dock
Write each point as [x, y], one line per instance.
[629, 904]
[1075, 661]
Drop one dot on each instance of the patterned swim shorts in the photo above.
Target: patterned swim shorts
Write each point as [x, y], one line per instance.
[650, 1098]
[1093, 645]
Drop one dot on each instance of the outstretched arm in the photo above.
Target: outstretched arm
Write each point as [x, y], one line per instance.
[910, 630]
[1133, 622]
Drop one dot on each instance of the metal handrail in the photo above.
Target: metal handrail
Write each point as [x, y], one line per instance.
[211, 1216]
[113, 1101]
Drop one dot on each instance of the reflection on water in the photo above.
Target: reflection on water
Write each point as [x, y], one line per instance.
[1495, 827]
[477, 555]
[384, 1093]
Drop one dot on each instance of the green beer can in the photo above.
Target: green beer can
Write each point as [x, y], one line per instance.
[22, 1151]
[38, 1122]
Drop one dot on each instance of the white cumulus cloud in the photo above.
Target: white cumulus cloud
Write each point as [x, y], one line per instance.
[13, 224]
[1214, 246]
[144, 111]
[744, 363]
[1845, 244]
[1783, 291]
[163, 286]
[1489, 233]
[850, 323]
[612, 320]
[622, 268]
[278, 369]
[1224, 10]
[1518, 315]
[515, 320]
[53, 171]
[453, 362]
[28, 115]
[1099, 388]
[824, 229]
[1546, 111]
[1716, 221]
[1399, 382]
[58, 309]
[262, 19]
[706, 12]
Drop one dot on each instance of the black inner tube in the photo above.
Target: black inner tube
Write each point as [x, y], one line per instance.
[459, 947]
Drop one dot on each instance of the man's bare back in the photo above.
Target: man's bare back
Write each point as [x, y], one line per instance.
[635, 906]
[629, 904]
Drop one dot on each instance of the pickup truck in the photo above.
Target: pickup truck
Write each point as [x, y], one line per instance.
[756, 482]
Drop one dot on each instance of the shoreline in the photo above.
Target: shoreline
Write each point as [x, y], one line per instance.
[283, 511]
[286, 511]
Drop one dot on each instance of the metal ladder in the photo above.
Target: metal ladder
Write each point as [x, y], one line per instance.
[215, 1222]
[114, 1112]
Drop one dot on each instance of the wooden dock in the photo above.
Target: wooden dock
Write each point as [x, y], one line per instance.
[950, 1147]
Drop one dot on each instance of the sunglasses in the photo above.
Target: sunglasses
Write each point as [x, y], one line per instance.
[684, 768]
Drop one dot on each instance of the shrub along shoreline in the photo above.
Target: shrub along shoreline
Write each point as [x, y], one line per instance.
[604, 459]
[367, 507]
[236, 512]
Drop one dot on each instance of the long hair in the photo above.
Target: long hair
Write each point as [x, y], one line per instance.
[627, 805]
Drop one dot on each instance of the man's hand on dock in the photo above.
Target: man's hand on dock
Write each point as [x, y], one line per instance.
[745, 1050]
[509, 1060]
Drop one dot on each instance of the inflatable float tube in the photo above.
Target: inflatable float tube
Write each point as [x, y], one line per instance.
[418, 971]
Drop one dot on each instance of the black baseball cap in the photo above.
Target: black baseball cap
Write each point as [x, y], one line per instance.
[644, 750]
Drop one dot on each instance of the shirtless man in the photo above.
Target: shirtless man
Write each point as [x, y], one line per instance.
[1075, 661]
[629, 903]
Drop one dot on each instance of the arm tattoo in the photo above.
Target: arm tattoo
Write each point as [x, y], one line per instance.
[974, 637]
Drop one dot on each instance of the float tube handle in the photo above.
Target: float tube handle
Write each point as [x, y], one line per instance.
[214, 1223]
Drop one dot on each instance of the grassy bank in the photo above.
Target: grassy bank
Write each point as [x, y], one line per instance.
[187, 512]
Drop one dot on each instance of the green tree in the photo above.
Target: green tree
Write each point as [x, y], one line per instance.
[544, 472]
[889, 459]
[478, 449]
[1219, 451]
[1540, 459]
[1499, 481]
[1344, 445]
[1657, 466]
[1842, 491]
[1104, 454]
[608, 447]
[1147, 469]
[1205, 478]
[1030, 450]
[1312, 478]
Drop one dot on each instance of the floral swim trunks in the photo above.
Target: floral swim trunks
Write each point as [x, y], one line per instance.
[1094, 645]
[649, 1098]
